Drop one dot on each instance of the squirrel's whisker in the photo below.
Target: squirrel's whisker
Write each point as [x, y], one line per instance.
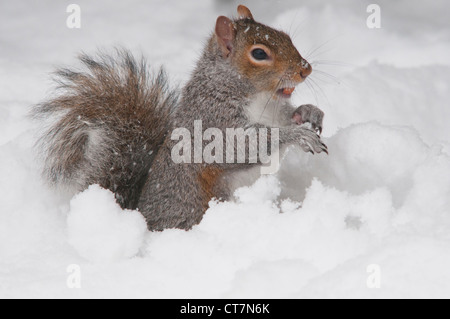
[292, 23]
[310, 54]
[270, 98]
[331, 62]
[319, 54]
[325, 80]
[334, 79]
[295, 35]
[281, 83]
[321, 91]
[312, 90]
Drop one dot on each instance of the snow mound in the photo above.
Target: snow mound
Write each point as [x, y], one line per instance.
[100, 230]
[379, 198]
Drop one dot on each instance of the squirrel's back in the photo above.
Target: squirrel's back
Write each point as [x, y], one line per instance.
[108, 123]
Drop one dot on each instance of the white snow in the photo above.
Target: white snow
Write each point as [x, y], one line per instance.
[100, 230]
[315, 229]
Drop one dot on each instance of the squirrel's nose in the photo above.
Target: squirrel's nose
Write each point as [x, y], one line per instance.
[306, 69]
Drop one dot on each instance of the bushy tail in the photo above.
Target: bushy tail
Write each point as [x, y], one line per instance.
[109, 121]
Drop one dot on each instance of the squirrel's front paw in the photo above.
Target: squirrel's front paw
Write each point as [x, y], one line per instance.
[310, 141]
[309, 113]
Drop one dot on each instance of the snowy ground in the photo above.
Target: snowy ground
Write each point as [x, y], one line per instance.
[379, 202]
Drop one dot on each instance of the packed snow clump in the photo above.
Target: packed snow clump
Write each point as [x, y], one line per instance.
[100, 230]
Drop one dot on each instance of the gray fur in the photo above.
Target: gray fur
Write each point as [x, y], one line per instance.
[115, 125]
[171, 197]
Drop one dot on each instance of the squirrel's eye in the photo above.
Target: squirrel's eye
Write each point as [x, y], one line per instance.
[259, 54]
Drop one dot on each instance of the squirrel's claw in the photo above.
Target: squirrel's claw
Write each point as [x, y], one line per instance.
[319, 129]
[309, 113]
[310, 142]
[324, 148]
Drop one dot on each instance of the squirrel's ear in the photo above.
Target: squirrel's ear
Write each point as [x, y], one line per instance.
[244, 12]
[225, 33]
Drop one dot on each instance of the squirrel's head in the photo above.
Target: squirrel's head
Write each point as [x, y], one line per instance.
[265, 56]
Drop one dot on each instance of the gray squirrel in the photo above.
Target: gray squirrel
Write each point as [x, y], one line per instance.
[112, 122]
